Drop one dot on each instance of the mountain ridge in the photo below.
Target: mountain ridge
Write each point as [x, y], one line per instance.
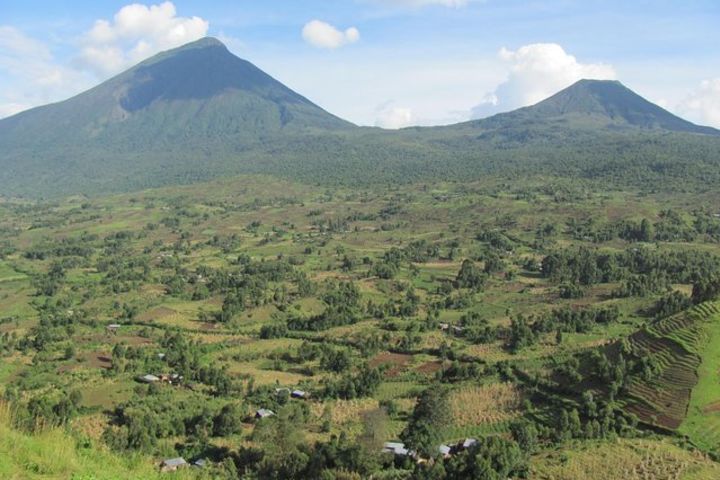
[198, 112]
[599, 99]
[201, 71]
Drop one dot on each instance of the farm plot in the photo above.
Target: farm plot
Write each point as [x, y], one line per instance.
[626, 459]
[494, 403]
[702, 424]
[679, 345]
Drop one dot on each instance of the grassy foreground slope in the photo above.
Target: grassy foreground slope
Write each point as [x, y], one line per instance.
[702, 423]
[54, 454]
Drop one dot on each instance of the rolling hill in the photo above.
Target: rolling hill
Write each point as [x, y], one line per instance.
[198, 112]
[681, 393]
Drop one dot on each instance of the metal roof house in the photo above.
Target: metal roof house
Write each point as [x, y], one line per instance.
[172, 464]
[149, 378]
[298, 394]
[468, 442]
[264, 413]
[395, 448]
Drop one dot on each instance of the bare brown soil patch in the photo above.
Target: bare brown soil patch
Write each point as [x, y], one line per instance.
[156, 313]
[396, 361]
[712, 407]
[91, 360]
[134, 340]
[429, 368]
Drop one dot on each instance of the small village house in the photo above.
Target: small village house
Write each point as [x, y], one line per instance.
[264, 413]
[149, 378]
[173, 464]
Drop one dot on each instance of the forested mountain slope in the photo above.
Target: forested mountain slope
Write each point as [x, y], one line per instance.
[199, 112]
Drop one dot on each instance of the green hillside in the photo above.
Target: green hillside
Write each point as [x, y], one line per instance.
[678, 345]
[198, 112]
[53, 454]
[702, 424]
[486, 301]
[664, 374]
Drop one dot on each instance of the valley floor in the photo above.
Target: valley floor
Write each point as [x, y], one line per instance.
[426, 314]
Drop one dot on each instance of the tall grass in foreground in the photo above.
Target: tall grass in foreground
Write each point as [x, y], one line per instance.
[53, 453]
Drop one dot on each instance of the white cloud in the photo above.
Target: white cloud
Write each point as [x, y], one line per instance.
[323, 35]
[422, 3]
[703, 104]
[14, 42]
[233, 44]
[29, 75]
[536, 72]
[393, 117]
[135, 33]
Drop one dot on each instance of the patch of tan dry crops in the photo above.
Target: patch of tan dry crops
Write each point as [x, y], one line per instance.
[344, 411]
[648, 461]
[477, 405]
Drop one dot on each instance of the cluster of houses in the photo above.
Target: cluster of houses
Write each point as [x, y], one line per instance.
[446, 327]
[174, 464]
[395, 448]
[266, 412]
[444, 450]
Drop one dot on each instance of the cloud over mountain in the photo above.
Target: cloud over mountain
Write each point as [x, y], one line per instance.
[135, 33]
[535, 72]
[29, 75]
[393, 117]
[703, 104]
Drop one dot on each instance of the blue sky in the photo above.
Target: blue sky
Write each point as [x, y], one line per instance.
[382, 62]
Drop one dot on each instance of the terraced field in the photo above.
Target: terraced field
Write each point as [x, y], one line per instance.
[702, 424]
[680, 345]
